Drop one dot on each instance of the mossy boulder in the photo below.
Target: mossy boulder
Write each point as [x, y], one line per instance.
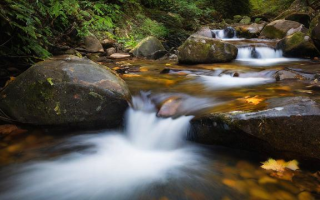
[147, 47]
[66, 91]
[245, 20]
[237, 18]
[298, 45]
[280, 28]
[197, 49]
[249, 31]
[315, 34]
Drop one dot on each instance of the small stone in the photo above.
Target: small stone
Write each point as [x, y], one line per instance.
[120, 56]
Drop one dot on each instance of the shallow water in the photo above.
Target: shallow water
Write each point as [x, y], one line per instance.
[150, 158]
[150, 161]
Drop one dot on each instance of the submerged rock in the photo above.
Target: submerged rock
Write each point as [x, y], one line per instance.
[288, 125]
[298, 45]
[198, 49]
[280, 28]
[255, 53]
[147, 47]
[66, 91]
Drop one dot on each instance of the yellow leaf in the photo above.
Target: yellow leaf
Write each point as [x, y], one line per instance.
[10, 80]
[280, 165]
[293, 165]
[275, 165]
[254, 100]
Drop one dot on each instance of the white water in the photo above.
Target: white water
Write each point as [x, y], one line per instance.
[227, 81]
[265, 56]
[117, 166]
[220, 34]
[264, 53]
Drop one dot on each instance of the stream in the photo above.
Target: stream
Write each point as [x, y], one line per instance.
[150, 157]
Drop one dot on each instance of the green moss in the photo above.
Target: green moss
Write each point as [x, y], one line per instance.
[295, 40]
[273, 33]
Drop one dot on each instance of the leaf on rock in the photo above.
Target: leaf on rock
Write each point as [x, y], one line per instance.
[50, 81]
[280, 165]
[275, 165]
[293, 165]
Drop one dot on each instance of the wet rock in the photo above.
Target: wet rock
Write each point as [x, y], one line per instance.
[111, 51]
[250, 31]
[205, 32]
[158, 55]
[298, 45]
[229, 32]
[119, 56]
[198, 49]
[108, 43]
[280, 28]
[255, 53]
[286, 74]
[170, 107]
[92, 44]
[288, 125]
[147, 47]
[66, 91]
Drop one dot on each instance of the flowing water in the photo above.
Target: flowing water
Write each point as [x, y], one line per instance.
[150, 158]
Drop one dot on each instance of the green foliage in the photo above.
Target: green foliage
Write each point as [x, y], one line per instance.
[32, 26]
[232, 7]
[273, 7]
[153, 28]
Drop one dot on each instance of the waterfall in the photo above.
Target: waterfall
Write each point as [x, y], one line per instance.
[118, 164]
[227, 33]
[258, 53]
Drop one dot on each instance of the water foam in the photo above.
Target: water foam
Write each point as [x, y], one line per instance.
[117, 165]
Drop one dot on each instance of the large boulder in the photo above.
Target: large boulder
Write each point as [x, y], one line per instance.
[288, 125]
[198, 49]
[250, 31]
[92, 44]
[298, 45]
[66, 91]
[147, 47]
[205, 32]
[280, 28]
[315, 34]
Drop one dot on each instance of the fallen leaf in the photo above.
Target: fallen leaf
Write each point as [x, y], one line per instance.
[280, 165]
[275, 165]
[9, 128]
[254, 100]
[10, 80]
[293, 165]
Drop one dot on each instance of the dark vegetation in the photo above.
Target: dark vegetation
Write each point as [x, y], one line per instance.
[30, 29]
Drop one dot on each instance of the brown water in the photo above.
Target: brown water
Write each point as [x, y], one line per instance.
[40, 164]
